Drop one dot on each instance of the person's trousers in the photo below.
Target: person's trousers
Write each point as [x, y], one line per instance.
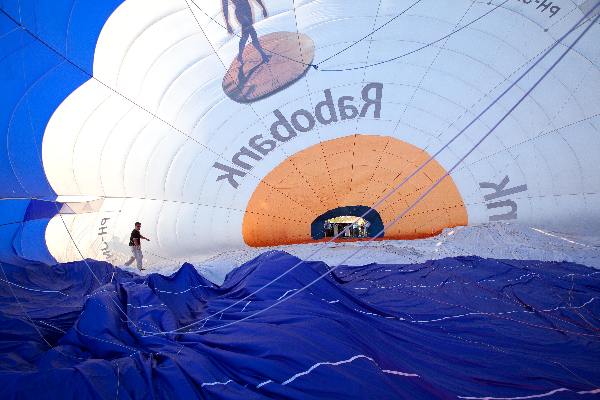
[136, 255]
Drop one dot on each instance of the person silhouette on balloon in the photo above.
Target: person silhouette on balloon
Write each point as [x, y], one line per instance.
[243, 13]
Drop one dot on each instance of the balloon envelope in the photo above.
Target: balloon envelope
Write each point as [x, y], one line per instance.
[116, 112]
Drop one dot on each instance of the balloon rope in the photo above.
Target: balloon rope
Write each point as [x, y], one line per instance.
[361, 247]
[369, 34]
[418, 49]
[384, 198]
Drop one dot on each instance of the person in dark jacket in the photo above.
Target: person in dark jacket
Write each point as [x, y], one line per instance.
[136, 246]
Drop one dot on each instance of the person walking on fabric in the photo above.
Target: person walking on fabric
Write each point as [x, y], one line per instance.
[136, 246]
[243, 13]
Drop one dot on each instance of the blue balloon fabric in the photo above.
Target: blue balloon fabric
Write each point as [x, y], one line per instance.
[462, 327]
[46, 52]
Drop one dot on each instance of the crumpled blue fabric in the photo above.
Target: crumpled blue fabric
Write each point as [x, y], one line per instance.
[462, 327]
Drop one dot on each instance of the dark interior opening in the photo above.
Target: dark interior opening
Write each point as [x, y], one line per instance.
[335, 221]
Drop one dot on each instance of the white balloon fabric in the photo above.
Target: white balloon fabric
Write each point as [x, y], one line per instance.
[152, 136]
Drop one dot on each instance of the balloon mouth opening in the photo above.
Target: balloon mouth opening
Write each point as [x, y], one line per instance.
[293, 201]
[348, 222]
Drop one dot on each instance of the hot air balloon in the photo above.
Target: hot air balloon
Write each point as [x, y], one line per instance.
[302, 123]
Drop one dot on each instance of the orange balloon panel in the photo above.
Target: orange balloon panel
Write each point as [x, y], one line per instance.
[354, 170]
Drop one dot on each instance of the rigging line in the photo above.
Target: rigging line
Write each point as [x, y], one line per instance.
[209, 149]
[260, 120]
[500, 315]
[484, 96]
[117, 305]
[179, 202]
[25, 99]
[518, 303]
[426, 73]
[540, 134]
[19, 4]
[310, 98]
[52, 49]
[40, 160]
[498, 85]
[420, 48]
[23, 308]
[58, 211]
[401, 215]
[32, 289]
[16, 28]
[384, 198]
[467, 111]
[364, 77]
[364, 74]
[35, 326]
[109, 88]
[237, 35]
[91, 76]
[368, 34]
[533, 138]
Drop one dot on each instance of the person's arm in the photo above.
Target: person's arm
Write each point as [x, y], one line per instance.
[260, 3]
[136, 242]
[143, 237]
[226, 15]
